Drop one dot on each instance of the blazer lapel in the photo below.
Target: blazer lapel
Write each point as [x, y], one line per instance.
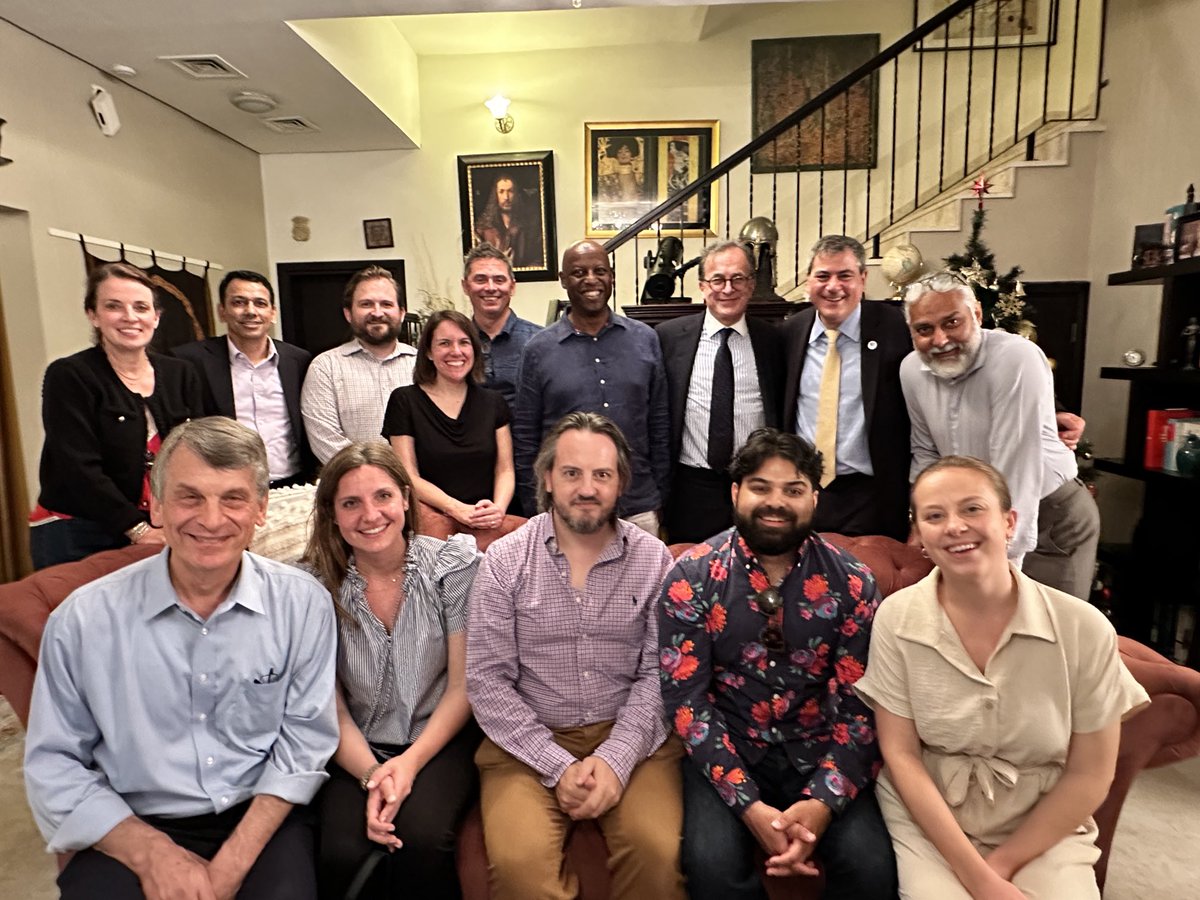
[220, 375]
[869, 349]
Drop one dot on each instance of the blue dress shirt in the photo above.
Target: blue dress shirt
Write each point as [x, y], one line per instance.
[502, 356]
[140, 707]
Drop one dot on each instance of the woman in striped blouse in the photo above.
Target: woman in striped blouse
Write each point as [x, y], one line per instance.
[403, 774]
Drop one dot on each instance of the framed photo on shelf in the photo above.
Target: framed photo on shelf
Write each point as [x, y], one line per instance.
[1148, 246]
[632, 167]
[377, 233]
[1003, 23]
[507, 200]
[1187, 236]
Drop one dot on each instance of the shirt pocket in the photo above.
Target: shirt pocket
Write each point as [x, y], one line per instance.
[254, 715]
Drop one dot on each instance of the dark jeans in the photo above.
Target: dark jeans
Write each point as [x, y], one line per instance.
[719, 853]
[67, 540]
[427, 823]
[283, 871]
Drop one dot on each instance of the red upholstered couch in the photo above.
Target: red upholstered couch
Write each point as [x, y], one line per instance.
[1167, 732]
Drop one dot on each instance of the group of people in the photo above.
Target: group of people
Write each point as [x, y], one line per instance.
[189, 708]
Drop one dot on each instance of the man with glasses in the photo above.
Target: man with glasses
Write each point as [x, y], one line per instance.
[724, 380]
[763, 630]
[248, 376]
[489, 285]
[990, 394]
[844, 396]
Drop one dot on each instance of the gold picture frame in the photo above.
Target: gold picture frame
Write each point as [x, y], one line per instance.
[632, 167]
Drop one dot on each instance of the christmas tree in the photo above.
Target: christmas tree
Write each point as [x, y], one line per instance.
[999, 295]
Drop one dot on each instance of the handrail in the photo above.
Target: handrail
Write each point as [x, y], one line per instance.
[789, 122]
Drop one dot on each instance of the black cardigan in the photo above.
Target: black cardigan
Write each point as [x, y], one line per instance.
[93, 460]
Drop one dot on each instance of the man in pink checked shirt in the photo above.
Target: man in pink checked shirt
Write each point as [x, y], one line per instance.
[562, 673]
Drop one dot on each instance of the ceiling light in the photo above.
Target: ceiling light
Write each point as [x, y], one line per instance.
[498, 107]
[124, 71]
[254, 102]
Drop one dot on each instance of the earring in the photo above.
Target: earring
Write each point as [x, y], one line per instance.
[924, 552]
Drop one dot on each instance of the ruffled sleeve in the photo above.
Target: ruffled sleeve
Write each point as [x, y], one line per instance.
[454, 567]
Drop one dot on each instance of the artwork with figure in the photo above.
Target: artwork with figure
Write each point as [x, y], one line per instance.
[507, 201]
[1008, 23]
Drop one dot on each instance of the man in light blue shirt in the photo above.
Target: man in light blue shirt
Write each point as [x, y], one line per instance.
[184, 704]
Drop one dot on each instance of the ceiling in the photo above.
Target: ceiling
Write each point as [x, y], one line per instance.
[355, 77]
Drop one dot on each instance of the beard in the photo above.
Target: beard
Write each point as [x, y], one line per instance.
[952, 368]
[768, 541]
[586, 520]
[376, 338]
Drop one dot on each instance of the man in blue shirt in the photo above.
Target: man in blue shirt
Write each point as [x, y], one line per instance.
[593, 360]
[184, 704]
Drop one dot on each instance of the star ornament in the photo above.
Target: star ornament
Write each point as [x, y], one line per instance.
[975, 273]
[980, 187]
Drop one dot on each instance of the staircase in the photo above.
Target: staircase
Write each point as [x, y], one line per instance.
[997, 101]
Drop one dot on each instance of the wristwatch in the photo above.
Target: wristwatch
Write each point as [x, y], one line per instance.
[135, 533]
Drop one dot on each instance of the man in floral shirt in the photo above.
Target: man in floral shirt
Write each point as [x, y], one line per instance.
[763, 629]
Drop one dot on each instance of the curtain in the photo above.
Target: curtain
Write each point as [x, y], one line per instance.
[14, 502]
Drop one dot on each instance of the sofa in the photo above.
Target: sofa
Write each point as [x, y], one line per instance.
[1166, 732]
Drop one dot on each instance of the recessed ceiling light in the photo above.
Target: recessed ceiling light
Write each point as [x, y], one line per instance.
[254, 102]
[124, 71]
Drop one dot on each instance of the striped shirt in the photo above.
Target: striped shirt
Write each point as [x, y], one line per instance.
[543, 655]
[393, 682]
[748, 412]
[346, 392]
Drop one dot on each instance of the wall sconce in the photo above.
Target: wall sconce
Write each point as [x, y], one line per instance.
[4, 160]
[498, 107]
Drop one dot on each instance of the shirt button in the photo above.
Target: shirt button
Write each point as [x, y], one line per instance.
[771, 664]
[597, 359]
[587, 674]
[204, 631]
[209, 761]
[203, 678]
[578, 599]
[203, 717]
[224, 801]
[606, 406]
[988, 704]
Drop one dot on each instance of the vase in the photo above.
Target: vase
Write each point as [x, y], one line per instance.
[1188, 457]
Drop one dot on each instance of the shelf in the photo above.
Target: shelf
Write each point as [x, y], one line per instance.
[1152, 374]
[1156, 274]
[1159, 476]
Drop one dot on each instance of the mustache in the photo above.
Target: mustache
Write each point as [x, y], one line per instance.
[949, 348]
[775, 511]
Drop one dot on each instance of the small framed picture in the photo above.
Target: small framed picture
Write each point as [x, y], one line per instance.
[378, 233]
[1187, 236]
[1148, 246]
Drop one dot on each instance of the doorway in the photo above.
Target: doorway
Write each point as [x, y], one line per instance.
[310, 301]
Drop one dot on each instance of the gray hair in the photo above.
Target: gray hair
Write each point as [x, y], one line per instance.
[485, 250]
[721, 247]
[222, 443]
[943, 282]
[580, 421]
[832, 245]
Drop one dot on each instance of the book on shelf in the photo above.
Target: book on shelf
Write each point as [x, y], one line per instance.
[1156, 432]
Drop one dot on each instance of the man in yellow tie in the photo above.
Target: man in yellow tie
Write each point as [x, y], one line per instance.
[842, 393]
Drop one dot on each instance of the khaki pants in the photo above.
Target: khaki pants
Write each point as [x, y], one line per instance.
[525, 831]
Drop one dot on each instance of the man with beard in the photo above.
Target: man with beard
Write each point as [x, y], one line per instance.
[594, 360]
[250, 377]
[990, 394]
[562, 675]
[347, 388]
[763, 631]
[506, 224]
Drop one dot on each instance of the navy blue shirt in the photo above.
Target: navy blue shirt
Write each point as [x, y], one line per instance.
[618, 373]
[502, 355]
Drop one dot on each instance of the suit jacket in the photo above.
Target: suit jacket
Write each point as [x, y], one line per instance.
[885, 341]
[680, 338]
[210, 357]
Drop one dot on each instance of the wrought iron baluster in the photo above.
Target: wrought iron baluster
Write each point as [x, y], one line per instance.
[821, 181]
[1046, 84]
[970, 91]
[1074, 62]
[942, 137]
[917, 141]
[995, 78]
[774, 177]
[796, 280]
[728, 203]
[845, 159]
[895, 107]
[1020, 70]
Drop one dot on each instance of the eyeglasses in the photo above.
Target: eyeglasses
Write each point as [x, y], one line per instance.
[718, 282]
[770, 602]
[941, 282]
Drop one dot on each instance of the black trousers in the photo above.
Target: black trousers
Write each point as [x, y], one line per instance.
[427, 823]
[851, 505]
[284, 870]
[700, 505]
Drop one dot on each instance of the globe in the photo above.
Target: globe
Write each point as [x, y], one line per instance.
[903, 264]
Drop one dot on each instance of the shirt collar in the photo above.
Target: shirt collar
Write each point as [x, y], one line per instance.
[352, 346]
[712, 325]
[851, 328]
[566, 329]
[616, 547]
[160, 595]
[235, 354]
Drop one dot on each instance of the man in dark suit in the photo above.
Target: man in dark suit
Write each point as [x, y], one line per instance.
[250, 377]
[724, 380]
[848, 402]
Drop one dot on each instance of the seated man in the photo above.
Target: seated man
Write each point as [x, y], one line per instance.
[562, 675]
[763, 630]
[184, 704]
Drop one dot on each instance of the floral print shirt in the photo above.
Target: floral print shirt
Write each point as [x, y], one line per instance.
[733, 699]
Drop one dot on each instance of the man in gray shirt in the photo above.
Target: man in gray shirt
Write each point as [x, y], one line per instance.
[990, 394]
[183, 705]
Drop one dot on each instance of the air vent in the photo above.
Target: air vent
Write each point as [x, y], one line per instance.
[204, 65]
[290, 124]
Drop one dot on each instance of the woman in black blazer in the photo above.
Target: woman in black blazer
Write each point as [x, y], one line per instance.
[105, 410]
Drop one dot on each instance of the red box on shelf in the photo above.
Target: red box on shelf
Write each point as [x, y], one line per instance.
[1156, 433]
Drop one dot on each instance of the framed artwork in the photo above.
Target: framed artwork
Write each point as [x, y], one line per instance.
[1147, 245]
[507, 200]
[1187, 236]
[1007, 23]
[631, 167]
[786, 73]
[378, 233]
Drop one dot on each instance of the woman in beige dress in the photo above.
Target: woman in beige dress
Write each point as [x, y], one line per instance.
[998, 703]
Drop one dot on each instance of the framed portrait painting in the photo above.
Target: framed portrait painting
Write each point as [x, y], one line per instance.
[507, 200]
[632, 167]
[1003, 23]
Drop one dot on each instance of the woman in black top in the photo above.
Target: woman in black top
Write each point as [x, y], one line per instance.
[105, 411]
[451, 434]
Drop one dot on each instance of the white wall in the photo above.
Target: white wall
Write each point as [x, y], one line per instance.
[164, 181]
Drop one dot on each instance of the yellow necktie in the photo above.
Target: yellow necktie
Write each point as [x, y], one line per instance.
[827, 407]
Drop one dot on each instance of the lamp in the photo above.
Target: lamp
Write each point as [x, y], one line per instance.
[498, 107]
[4, 160]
